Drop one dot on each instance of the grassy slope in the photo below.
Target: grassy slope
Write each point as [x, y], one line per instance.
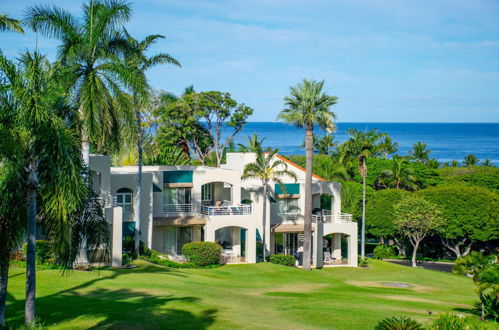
[249, 296]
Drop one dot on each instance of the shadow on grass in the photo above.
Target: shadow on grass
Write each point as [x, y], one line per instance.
[122, 308]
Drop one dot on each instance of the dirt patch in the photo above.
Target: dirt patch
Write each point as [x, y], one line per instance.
[386, 285]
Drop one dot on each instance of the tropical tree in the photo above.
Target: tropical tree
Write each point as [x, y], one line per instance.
[359, 147]
[487, 163]
[254, 144]
[308, 105]
[400, 176]
[388, 147]
[10, 24]
[416, 218]
[267, 169]
[470, 160]
[454, 163]
[138, 59]
[419, 152]
[325, 145]
[172, 156]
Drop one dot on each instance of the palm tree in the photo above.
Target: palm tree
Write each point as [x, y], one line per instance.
[399, 176]
[470, 160]
[267, 170]
[253, 145]
[306, 106]
[454, 163]
[10, 24]
[419, 152]
[137, 58]
[361, 146]
[487, 163]
[172, 155]
[96, 73]
[388, 147]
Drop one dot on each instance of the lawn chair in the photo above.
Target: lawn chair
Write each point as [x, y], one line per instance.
[327, 258]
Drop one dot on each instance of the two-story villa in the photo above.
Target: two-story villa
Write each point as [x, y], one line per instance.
[181, 204]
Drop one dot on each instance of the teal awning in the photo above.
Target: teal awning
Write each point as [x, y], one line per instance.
[258, 237]
[128, 228]
[177, 176]
[291, 189]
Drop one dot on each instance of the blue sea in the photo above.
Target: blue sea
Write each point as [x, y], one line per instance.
[447, 141]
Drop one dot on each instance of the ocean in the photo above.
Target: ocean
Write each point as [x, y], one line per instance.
[447, 141]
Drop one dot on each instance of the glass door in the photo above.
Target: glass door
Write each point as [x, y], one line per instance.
[169, 239]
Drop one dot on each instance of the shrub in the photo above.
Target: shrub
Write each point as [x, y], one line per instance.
[398, 323]
[202, 253]
[282, 259]
[362, 262]
[488, 306]
[125, 259]
[448, 322]
[155, 258]
[383, 252]
[44, 252]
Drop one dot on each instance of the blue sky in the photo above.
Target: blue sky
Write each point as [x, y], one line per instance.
[385, 60]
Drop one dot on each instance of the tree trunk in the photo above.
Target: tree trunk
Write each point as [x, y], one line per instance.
[307, 240]
[31, 258]
[400, 246]
[414, 253]
[82, 258]
[363, 229]
[455, 246]
[138, 185]
[264, 220]
[4, 277]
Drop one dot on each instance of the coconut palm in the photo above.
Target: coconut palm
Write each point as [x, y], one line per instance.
[253, 144]
[361, 146]
[308, 105]
[137, 59]
[419, 152]
[324, 145]
[96, 73]
[487, 163]
[267, 169]
[172, 155]
[388, 147]
[470, 160]
[454, 163]
[10, 24]
[399, 176]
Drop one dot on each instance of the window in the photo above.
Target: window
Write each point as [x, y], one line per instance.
[206, 190]
[287, 205]
[176, 196]
[124, 199]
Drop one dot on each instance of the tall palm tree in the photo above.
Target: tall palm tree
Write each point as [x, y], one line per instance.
[470, 160]
[10, 24]
[388, 147]
[254, 144]
[419, 152]
[361, 146]
[399, 176]
[308, 105]
[487, 163]
[267, 169]
[90, 50]
[137, 58]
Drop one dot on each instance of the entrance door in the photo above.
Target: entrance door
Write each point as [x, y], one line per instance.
[169, 239]
[184, 236]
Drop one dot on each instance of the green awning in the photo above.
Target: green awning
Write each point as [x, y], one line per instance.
[258, 237]
[177, 176]
[291, 189]
[128, 228]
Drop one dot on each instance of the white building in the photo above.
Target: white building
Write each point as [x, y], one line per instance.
[181, 204]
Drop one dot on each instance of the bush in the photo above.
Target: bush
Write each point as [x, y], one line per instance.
[383, 252]
[282, 259]
[43, 253]
[398, 323]
[156, 258]
[448, 322]
[125, 259]
[489, 306]
[202, 253]
[362, 262]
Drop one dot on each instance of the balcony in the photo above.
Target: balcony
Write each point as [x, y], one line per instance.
[226, 210]
[177, 208]
[330, 218]
[106, 201]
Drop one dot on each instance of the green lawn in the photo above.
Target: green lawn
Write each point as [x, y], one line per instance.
[238, 296]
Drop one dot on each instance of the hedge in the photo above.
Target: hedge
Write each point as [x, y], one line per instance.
[282, 259]
[43, 252]
[202, 253]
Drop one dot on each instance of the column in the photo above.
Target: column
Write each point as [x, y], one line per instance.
[336, 246]
[318, 245]
[117, 249]
[251, 245]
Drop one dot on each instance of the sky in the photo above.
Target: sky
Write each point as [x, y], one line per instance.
[385, 60]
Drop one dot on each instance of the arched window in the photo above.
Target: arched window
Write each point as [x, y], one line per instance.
[124, 199]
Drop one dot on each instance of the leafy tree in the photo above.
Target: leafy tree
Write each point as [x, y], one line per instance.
[478, 176]
[487, 163]
[454, 163]
[400, 176]
[361, 146]
[254, 144]
[308, 105]
[381, 214]
[419, 152]
[10, 24]
[416, 218]
[470, 160]
[470, 215]
[388, 147]
[433, 163]
[267, 169]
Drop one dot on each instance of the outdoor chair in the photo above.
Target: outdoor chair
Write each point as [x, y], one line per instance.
[327, 258]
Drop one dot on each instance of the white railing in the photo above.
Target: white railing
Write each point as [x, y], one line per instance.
[288, 216]
[342, 218]
[226, 210]
[177, 208]
[106, 201]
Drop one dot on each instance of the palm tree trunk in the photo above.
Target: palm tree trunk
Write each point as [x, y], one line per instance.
[82, 258]
[31, 258]
[264, 221]
[307, 241]
[4, 277]
[363, 229]
[138, 185]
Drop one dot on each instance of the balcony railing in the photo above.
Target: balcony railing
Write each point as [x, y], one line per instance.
[106, 201]
[226, 210]
[341, 218]
[177, 208]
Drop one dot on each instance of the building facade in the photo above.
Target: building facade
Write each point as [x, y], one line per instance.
[182, 204]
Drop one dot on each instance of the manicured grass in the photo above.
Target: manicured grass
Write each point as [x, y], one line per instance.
[238, 296]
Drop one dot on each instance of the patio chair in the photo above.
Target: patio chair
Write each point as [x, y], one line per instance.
[327, 258]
